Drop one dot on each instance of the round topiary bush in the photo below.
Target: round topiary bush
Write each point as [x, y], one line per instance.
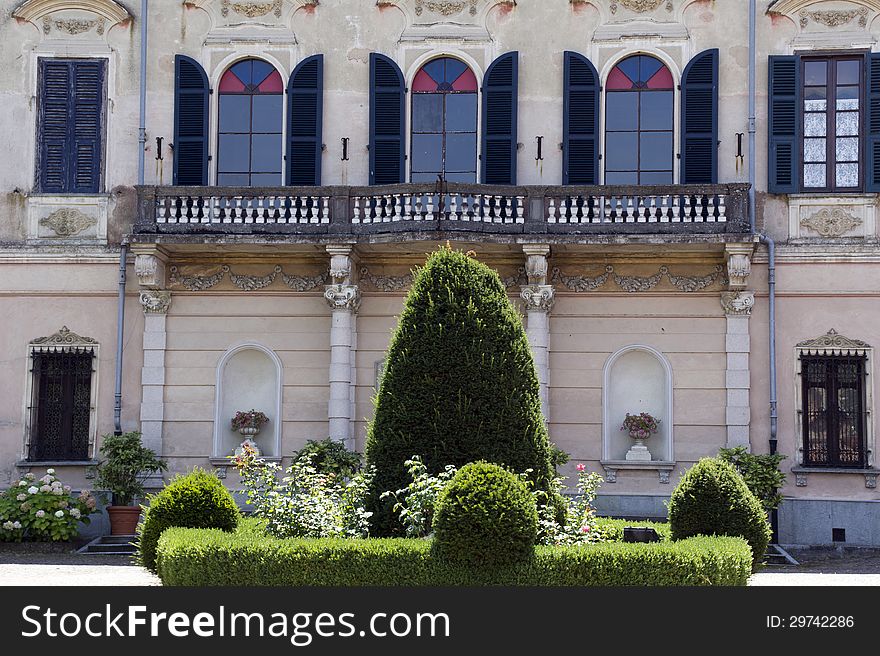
[459, 385]
[485, 516]
[196, 500]
[713, 499]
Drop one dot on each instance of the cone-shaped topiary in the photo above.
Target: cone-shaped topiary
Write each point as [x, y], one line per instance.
[459, 384]
[713, 499]
[485, 517]
[196, 500]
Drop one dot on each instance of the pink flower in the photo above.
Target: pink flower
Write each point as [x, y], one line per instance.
[581, 468]
[585, 529]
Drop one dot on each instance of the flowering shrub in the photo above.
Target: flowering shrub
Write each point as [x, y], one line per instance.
[580, 516]
[43, 510]
[415, 503]
[640, 426]
[250, 419]
[302, 502]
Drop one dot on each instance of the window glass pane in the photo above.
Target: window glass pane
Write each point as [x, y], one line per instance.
[621, 151]
[425, 177]
[232, 179]
[655, 151]
[656, 178]
[266, 154]
[847, 97]
[234, 152]
[847, 149]
[460, 177]
[656, 110]
[815, 99]
[267, 113]
[461, 152]
[235, 113]
[814, 150]
[461, 112]
[847, 124]
[847, 175]
[814, 175]
[621, 111]
[815, 125]
[427, 152]
[427, 112]
[848, 72]
[266, 179]
[815, 73]
[621, 178]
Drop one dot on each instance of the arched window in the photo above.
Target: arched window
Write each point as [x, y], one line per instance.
[444, 122]
[251, 114]
[639, 122]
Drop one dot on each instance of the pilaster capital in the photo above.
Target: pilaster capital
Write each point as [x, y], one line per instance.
[155, 301]
[346, 298]
[738, 304]
[739, 264]
[538, 298]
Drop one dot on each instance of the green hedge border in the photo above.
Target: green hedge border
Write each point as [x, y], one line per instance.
[210, 557]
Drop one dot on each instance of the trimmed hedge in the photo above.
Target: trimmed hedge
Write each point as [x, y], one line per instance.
[206, 557]
[196, 500]
[485, 516]
[612, 529]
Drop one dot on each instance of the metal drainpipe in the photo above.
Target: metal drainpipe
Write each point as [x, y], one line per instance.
[142, 126]
[120, 323]
[771, 245]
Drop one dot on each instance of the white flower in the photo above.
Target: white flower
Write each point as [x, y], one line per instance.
[22, 483]
[33, 489]
[46, 479]
[57, 491]
[56, 483]
[41, 513]
[16, 525]
[8, 526]
[67, 488]
[21, 497]
[45, 488]
[50, 471]
[75, 513]
[29, 476]
[59, 514]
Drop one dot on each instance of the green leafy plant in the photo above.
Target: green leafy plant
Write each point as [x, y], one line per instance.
[580, 521]
[713, 499]
[415, 502]
[459, 384]
[485, 516]
[42, 509]
[761, 473]
[127, 464]
[194, 500]
[329, 457]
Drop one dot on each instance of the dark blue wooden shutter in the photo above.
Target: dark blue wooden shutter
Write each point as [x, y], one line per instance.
[580, 120]
[699, 120]
[783, 93]
[304, 122]
[190, 122]
[499, 121]
[387, 123]
[71, 125]
[872, 148]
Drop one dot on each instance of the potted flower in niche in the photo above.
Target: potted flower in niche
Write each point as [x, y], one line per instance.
[125, 468]
[640, 427]
[249, 423]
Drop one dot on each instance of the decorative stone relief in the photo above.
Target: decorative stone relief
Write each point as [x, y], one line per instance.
[386, 283]
[252, 283]
[871, 480]
[664, 475]
[832, 343]
[610, 474]
[834, 18]
[244, 282]
[65, 337]
[445, 8]
[800, 479]
[459, 19]
[739, 265]
[689, 284]
[253, 9]
[303, 283]
[738, 304]
[340, 263]
[343, 297]
[633, 284]
[52, 16]
[150, 270]
[73, 26]
[155, 301]
[517, 279]
[536, 262]
[196, 283]
[831, 222]
[68, 221]
[640, 6]
[538, 298]
[582, 283]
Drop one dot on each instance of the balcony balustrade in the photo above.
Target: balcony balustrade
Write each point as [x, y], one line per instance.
[602, 210]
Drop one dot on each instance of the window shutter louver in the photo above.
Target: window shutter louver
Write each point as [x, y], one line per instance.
[699, 120]
[872, 148]
[88, 93]
[784, 129]
[304, 122]
[55, 85]
[190, 122]
[387, 138]
[580, 139]
[499, 121]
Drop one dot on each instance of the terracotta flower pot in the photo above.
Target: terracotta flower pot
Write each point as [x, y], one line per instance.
[123, 519]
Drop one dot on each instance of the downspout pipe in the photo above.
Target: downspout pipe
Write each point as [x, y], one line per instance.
[142, 124]
[120, 324]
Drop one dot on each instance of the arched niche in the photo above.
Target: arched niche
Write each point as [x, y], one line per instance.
[637, 379]
[248, 377]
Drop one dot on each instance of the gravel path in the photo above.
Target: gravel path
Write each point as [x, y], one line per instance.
[71, 569]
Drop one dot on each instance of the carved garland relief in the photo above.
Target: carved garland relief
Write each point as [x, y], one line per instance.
[252, 9]
[834, 18]
[633, 284]
[73, 26]
[640, 6]
[244, 282]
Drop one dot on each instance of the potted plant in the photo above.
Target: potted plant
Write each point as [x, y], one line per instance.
[640, 427]
[126, 465]
[249, 423]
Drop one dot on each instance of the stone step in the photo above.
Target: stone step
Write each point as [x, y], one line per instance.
[110, 545]
[777, 556]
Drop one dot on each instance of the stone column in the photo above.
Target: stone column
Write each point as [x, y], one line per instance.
[344, 299]
[155, 303]
[539, 297]
[738, 308]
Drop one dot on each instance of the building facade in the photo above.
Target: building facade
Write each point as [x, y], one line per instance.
[270, 173]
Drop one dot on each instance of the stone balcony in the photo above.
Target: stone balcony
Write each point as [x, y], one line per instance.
[571, 214]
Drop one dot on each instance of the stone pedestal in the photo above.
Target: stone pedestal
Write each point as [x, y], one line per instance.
[638, 452]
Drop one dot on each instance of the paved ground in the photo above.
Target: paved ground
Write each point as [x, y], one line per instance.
[816, 568]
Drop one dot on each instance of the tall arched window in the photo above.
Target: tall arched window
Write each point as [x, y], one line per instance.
[444, 122]
[251, 114]
[639, 122]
